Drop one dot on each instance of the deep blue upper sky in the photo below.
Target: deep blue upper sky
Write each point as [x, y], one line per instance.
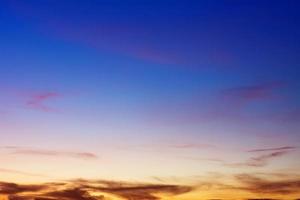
[148, 52]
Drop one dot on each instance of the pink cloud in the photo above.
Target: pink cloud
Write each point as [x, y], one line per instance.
[38, 101]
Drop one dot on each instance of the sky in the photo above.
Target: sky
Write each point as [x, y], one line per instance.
[149, 100]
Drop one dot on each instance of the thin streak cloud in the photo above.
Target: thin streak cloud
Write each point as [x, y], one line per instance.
[284, 148]
[44, 152]
[12, 171]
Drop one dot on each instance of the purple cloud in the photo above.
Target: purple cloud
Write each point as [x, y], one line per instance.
[263, 91]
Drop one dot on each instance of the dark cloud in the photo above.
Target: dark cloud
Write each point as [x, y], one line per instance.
[135, 191]
[145, 191]
[12, 188]
[262, 199]
[70, 194]
[85, 190]
[15, 197]
[260, 185]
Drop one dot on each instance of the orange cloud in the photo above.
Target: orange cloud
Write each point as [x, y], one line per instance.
[256, 184]
[86, 190]
[245, 186]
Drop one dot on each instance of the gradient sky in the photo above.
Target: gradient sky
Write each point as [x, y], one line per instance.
[197, 98]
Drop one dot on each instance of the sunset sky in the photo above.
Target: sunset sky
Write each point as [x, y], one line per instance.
[149, 99]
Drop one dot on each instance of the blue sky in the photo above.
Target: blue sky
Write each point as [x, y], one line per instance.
[189, 82]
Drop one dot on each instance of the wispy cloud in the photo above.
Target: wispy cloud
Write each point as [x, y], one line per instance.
[265, 155]
[260, 185]
[156, 43]
[38, 101]
[257, 187]
[12, 171]
[260, 91]
[44, 152]
[260, 160]
[284, 148]
[169, 146]
[225, 104]
[190, 146]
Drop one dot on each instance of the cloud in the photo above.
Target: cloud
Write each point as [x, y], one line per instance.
[190, 146]
[262, 199]
[259, 185]
[43, 152]
[11, 171]
[73, 193]
[230, 104]
[144, 191]
[151, 42]
[292, 115]
[273, 149]
[90, 190]
[249, 93]
[12, 188]
[261, 159]
[37, 101]
[168, 146]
